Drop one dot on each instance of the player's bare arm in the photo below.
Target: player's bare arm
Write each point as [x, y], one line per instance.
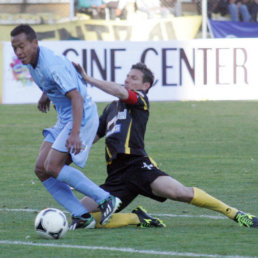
[111, 88]
[44, 103]
[73, 142]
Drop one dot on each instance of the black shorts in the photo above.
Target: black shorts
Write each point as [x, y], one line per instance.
[129, 176]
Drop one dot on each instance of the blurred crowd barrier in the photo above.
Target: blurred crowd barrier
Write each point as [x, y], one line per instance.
[182, 28]
[34, 11]
[102, 19]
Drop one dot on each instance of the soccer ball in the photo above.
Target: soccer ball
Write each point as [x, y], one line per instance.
[51, 223]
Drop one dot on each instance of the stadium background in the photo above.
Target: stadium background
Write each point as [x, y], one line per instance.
[171, 39]
[210, 144]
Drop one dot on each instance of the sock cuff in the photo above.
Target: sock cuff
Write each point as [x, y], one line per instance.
[50, 182]
[196, 191]
[63, 175]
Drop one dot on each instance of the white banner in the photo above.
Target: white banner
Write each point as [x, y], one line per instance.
[198, 69]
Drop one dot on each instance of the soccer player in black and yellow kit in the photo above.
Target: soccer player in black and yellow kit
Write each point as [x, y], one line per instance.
[130, 171]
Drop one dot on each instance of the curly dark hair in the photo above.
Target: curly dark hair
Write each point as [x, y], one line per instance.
[26, 29]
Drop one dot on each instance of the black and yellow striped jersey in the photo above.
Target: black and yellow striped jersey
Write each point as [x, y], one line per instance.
[124, 126]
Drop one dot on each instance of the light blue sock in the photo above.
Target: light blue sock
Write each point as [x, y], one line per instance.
[62, 193]
[82, 184]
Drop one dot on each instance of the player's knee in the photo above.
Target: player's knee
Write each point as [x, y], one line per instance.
[40, 171]
[183, 194]
[51, 169]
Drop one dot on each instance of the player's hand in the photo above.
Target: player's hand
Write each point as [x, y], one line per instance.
[79, 69]
[73, 143]
[44, 103]
[44, 106]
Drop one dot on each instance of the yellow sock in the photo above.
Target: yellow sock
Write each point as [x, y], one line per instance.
[204, 200]
[117, 220]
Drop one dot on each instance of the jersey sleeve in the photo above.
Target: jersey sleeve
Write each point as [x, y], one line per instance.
[132, 97]
[137, 99]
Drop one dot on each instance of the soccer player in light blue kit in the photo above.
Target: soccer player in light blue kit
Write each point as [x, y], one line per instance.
[72, 136]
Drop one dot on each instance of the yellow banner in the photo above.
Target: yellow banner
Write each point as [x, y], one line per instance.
[180, 28]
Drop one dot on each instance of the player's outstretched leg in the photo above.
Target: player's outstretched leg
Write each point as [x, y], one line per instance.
[146, 221]
[108, 207]
[203, 199]
[138, 217]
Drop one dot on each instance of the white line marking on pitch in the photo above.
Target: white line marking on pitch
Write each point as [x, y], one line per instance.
[128, 250]
[154, 214]
[124, 250]
[188, 216]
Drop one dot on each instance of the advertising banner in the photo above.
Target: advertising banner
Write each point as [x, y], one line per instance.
[181, 28]
[216, 69]
[231, 29]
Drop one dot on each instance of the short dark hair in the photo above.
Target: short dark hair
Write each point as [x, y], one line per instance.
[147, 73]
[26, 29]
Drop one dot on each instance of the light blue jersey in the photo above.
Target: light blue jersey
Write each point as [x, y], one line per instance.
[55, 75]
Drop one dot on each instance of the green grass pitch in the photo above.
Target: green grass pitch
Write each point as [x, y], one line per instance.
[212, 145]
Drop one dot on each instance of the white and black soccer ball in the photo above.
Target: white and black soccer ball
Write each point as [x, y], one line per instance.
[51, 223]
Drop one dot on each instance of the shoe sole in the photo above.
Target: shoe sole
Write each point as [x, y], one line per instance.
[91, 225]
[105, 221]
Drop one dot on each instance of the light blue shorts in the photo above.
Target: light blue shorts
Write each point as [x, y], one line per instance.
[59, 134]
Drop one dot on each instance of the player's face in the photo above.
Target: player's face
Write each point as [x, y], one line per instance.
[134, 81]
[24, 49]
